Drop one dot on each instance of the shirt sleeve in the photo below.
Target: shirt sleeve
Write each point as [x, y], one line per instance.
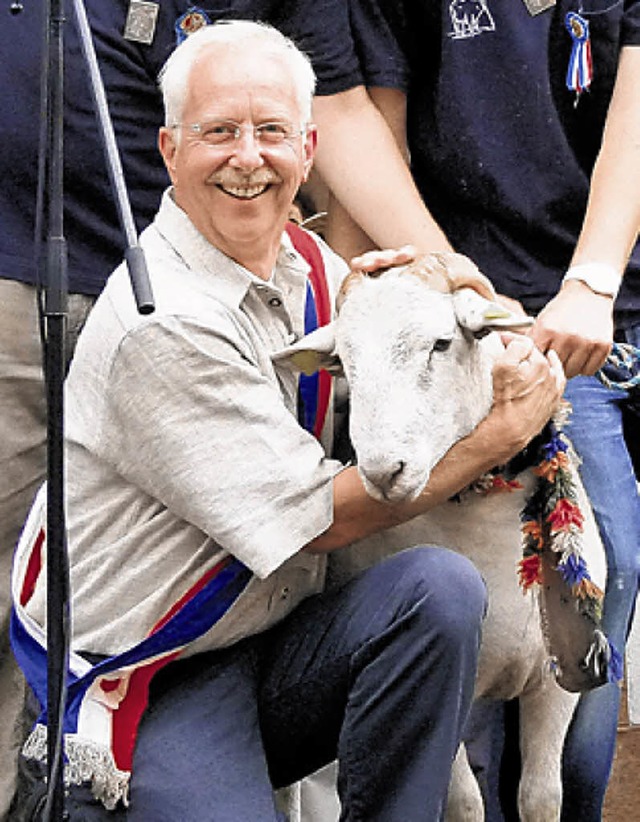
[321, 29]
[377, 37]
[195, 424]
[630, 34]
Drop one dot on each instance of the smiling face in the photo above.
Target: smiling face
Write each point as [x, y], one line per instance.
[238, 192]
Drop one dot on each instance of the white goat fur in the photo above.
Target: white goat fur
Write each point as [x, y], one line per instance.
[409, 403]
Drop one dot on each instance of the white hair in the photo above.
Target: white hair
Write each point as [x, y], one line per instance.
[174, 76]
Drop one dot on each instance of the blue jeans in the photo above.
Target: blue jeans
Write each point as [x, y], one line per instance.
[608, 476]
[380, 673]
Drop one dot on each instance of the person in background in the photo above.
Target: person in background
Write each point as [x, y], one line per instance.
[522, 124]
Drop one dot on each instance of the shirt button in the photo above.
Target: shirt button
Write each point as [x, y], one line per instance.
[284, 594]
[275, 302]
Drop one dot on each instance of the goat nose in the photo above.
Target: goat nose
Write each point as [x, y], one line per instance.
[382, 477]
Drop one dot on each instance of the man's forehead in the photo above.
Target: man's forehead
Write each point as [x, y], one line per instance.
[231, 65]
[227, 78]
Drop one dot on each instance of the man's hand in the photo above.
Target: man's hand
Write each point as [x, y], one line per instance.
[527, 389]
[578, 325]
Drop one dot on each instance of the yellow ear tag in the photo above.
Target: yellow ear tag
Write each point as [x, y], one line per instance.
[495, 312]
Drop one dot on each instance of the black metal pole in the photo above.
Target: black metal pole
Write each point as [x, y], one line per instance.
[134, 256]
[55, 328]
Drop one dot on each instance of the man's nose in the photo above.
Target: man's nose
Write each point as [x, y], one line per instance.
[247, 151]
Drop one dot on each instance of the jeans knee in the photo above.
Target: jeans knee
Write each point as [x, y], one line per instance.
[447, 589]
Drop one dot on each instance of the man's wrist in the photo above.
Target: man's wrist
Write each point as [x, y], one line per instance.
[601, 278]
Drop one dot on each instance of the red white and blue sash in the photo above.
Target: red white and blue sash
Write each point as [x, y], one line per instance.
[105, 701]
[315, 390]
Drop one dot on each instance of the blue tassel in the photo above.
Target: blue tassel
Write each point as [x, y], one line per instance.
[573, 569]
[556, 444]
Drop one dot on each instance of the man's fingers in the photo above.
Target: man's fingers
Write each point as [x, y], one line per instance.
[557, 370]
[518, 348]
[522, 368]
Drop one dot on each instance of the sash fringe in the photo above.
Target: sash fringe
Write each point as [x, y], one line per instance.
[86, 762]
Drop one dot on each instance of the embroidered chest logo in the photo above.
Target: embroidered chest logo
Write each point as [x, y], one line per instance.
[469, 18]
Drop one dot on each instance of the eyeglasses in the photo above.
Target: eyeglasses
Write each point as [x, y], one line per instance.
[226, 133]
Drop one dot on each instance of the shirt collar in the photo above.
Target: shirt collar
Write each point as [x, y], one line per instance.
[229, 279]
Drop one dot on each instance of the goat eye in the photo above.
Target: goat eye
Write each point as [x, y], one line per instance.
[442, 345]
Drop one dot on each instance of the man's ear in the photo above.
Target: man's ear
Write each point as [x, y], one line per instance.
[309, 149]
[168, 148]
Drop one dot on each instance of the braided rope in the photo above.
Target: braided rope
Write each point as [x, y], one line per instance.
[622, 368]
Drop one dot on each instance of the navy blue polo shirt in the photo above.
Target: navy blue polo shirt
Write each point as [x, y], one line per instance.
[501, 151]
[129, 70]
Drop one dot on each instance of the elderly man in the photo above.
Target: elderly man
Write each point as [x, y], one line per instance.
[200, 510]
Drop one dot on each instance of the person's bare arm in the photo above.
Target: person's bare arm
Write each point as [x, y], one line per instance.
[361, 162]
[527, 388]
[612, 219]
[578, 323]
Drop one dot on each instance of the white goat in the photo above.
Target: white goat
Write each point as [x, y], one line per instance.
[420, 379]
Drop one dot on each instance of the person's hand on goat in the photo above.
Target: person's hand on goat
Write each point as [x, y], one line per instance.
[378, 259]
[458, 271]
[578, 325]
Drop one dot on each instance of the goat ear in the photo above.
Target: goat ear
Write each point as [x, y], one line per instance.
[480, 316]
[311, 353]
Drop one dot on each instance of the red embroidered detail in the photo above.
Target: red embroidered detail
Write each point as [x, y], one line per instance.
[529, 571]
[565, 516]
[499, 483]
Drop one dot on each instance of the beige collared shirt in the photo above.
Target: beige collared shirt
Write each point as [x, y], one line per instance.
[183, 444]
